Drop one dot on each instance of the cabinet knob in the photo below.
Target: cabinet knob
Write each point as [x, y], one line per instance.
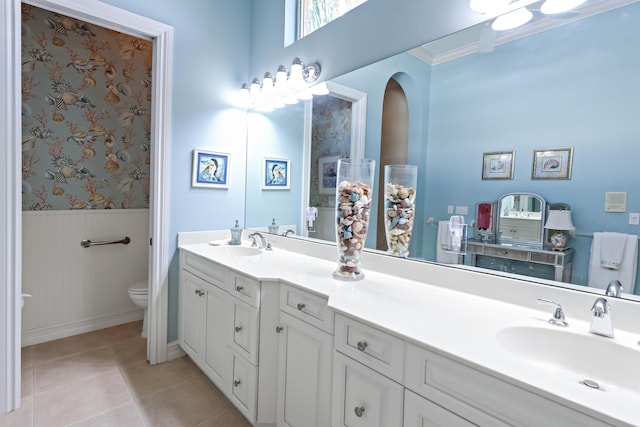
[359, 410]
[199, 292]
[238, 328]
[362, 346]
[239, 288]
[236, 383]
[300, 306]
[279, 329]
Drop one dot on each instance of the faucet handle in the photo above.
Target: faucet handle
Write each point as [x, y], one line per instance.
[558, 314]
[614, 289]
[600, 307]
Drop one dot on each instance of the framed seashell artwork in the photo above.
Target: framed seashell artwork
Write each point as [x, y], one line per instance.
[275, 173]
[498, 165]
[327, 174]
[552, 163]
[210, 169]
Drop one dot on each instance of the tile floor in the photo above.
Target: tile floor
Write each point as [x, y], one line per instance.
[102, 378]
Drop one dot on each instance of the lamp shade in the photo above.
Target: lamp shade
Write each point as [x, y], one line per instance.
[559, 220]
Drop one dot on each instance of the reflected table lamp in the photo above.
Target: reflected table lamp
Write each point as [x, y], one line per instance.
[558, 222]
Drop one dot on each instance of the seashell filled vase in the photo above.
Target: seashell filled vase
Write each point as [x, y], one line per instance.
[354, 192]
[399, 207]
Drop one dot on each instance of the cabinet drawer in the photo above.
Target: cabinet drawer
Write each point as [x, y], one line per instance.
[245, 289]
[373, 347]
[363, 397]
[244, 331]
[544, 258]
[420, 412]
[307, 307]
[204, 268]
[243, 387]
[482, 398]
[506, 253]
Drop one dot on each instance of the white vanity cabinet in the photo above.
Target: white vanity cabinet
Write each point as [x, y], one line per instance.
[221, 313]
[306, 346]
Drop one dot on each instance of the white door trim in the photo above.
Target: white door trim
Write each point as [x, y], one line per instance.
[96, 12]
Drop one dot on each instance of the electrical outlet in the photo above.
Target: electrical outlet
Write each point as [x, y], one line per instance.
[462, 210]
[450, 209]
[634, 218]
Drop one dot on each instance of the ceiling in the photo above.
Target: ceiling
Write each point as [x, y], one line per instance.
[481, 38]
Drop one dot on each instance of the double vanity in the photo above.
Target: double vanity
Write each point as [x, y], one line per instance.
[412, 344]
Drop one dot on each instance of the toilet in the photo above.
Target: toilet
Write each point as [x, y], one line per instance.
[139, 294]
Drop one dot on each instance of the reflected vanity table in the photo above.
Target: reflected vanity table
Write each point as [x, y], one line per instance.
[510, 237]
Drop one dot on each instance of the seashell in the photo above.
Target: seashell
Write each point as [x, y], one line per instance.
[57, 41]
[97, 129]
[26, 187]
[88, 152]
[96, 198]
[126, 185]
[403, 193]
[149, 96]
[57, 117]
[354, 197]
[89, 81]
[26, 110]
[124, 89]
[110, 71]
[98, 60]
[68, 98]
[28, 144]
[79, 205]
[68, 171]
[111, 166]
[112, 98]
[108, 141]
[28, 65]
[123, 155]
[357, 227]
[57, 191]
[364, 200]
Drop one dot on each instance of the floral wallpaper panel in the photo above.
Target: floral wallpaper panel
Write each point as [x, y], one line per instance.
[86, 93]
[330, 136]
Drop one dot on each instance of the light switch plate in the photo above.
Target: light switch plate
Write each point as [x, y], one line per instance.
[634, 218]
[462, 210]
[449, 209]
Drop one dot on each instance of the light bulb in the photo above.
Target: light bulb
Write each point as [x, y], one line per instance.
[512, 20]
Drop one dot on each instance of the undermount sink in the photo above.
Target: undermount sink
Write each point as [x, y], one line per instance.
[595, 361]
[238, 250]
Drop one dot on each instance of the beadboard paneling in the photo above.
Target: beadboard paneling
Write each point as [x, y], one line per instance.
[78, 289]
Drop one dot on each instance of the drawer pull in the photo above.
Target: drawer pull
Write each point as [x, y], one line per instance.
[236, 383]
[279, 329]
[300, 306]
[238, 328]
[362, 345]
[199, 292]
[359, 410]
[239, 288]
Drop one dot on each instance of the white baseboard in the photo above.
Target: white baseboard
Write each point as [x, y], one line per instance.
[40, 335]
[174, 351]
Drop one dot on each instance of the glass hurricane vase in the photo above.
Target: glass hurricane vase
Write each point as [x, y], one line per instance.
[399, 207]
[353, 203]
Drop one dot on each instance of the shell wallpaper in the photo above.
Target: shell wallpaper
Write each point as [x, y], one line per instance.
[330, 136]
[86, 121]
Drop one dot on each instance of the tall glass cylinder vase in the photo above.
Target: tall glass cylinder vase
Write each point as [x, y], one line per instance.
[353, 203]
[399, 207]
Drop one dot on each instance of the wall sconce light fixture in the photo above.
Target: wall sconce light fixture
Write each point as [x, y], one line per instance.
[288, 87]
[513, 16]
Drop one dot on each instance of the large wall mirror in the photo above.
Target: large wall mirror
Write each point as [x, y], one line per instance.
[568, 81]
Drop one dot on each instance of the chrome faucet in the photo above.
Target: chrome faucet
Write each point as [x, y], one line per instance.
[614, 289]
[558, 314]
[289, 231]
[263, 241]
[601, 324]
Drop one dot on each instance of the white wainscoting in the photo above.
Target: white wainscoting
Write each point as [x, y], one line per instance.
[75, 289]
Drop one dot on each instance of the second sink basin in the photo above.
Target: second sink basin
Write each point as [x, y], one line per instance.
[584, 357]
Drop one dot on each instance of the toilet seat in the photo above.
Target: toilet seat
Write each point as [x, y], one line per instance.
[140, 288]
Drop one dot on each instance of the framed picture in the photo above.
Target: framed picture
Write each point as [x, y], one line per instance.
[327, 174]
[498, 165]
[552, 163]
[210, 169]
[275, 174]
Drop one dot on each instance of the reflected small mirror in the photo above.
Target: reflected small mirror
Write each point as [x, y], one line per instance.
[521, 219]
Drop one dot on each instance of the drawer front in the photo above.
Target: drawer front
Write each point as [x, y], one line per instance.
[482, 398]
[245, 289]
[544, 258]
[377, 349]
[205, 269]
[363, 397]
[244, 387]
[244, 331]
[307, 307]
[420, 412]
[506, 253]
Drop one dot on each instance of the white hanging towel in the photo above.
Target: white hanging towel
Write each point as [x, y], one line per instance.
[599, 276]
[442, 255]
[612, 247]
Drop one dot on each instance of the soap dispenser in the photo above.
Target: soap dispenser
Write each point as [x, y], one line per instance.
[236, 233]
[273, 228]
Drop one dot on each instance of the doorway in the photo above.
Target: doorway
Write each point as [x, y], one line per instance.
[93, 12]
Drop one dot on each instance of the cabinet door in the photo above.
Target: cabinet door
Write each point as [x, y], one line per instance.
[244, 330]
[192, 315]
[362, 397]
[420, 412]
[304, 383]
[217, 358]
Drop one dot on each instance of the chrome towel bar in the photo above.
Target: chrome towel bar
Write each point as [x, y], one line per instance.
[86, 243]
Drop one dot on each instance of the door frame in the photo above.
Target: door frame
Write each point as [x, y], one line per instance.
[98, 13]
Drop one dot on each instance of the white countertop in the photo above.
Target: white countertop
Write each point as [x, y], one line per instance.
[456, 324]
